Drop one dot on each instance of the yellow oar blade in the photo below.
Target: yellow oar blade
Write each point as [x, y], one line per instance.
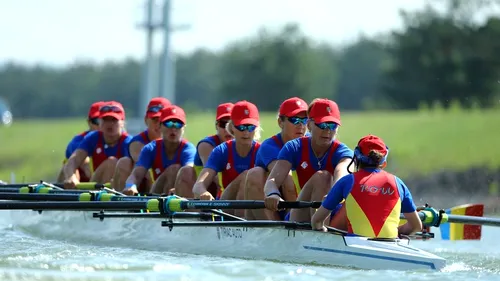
[458, 231]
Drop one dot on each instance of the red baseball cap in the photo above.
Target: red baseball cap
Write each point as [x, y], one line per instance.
[293, 106]
[173, 112]
[245, 112]
[94, 110]
[224, 110]
[325, 110]
[155, 106]
[371, 142]
[112, 109]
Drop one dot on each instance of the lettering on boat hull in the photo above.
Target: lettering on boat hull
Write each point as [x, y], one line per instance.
[230, 232]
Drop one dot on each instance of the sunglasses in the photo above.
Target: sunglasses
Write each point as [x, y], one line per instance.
[298, 120]
[155, 108]
[248, 127]
[173, 124]
[94, 121]
[110, 108]
[222, 124]
[327, 125]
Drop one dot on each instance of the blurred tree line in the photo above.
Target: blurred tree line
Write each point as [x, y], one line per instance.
[437, 58]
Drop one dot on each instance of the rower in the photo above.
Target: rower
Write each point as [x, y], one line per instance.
[292, 120]
[126, 164]
[319, 159]
[373, 197]
[203, 150]
[232, 158]
[104, 147]
[164, 156]
[84, 172]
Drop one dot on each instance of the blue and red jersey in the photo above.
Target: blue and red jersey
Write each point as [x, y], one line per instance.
[142, 137]
[213, 141]
[74, 143]
[93, 143]
[374, 200]
[153, 156]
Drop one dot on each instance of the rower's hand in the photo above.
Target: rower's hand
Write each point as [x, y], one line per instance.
[271, 202]
[71, 183]
[130, 189]
[206, 196]
[322, 229]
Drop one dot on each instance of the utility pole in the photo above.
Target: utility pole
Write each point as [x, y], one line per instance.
[166, 80]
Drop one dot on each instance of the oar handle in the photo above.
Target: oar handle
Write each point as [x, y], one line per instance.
[92, 185]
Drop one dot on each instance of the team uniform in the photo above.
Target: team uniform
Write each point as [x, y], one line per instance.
[374, 200]
[71, 147]
[153, 157]
[225, 160]
[98, 151]
[300, 154]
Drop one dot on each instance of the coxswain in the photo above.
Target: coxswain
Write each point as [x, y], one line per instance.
[126, 164]
[84, 171]
[292, 120]
[374, 198]
[104, 146]
[232, 158]
[165, 156]
[319, 160]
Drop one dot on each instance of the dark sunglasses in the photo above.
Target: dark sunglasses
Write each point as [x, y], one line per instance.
[110, 108]
[297, 120]
[155, 108]
[248, 127]
[173, 124]
[94, 121]
[327, 125]
[222, 124]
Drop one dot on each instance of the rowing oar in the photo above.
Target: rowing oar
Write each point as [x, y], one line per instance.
[432, 217]
[80, 186]
[164, 205]
[41, 189]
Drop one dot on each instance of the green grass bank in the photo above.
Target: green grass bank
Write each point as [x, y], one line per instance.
[420, 142]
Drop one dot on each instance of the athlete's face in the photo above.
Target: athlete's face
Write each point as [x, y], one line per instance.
[93, 124]
[153, 125]
[172, 130]
[294, 127]
[110, 126]
[221, 129]
[322, 133]
[244, 134]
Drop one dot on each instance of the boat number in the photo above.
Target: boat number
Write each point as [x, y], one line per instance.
[229, 232]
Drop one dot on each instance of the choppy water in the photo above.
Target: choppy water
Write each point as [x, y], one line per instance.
[25, 256]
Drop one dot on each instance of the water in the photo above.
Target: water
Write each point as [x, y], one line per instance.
[24, 255]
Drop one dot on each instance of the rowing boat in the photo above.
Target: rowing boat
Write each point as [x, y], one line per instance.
[263, 240]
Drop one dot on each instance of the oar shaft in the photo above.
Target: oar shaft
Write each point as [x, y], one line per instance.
[474, 220]
[240, 204]
[73, 206]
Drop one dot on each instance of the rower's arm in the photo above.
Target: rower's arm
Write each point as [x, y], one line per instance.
[136, 176]
[319, 217]
[341, 169]
[74, 162]
[135, 150]
[413, 224]
[204, 150]
[277, 176]
[206, 176]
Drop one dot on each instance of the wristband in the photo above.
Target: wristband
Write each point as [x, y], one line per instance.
[274, 193]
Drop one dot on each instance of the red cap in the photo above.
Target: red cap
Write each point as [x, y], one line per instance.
[155, 106]
[371, 142]
[94, 110]
[224, 110]
[112, 109]
[245, 112]
[293, 106]
[173, 112]
[325, 110]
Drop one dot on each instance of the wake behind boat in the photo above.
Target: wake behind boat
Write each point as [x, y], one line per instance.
[264, 240]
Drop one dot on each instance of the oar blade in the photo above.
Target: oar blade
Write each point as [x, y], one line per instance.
[459, 231]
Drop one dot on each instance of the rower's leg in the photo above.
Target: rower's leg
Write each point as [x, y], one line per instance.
[235, 191]
[85, 171]
[184, 182]
[166, 181]
[60, 176]
[122, 171]
[254, 190]
[104, 173]
[314, 190]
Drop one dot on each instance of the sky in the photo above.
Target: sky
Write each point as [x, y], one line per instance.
[59, 32]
